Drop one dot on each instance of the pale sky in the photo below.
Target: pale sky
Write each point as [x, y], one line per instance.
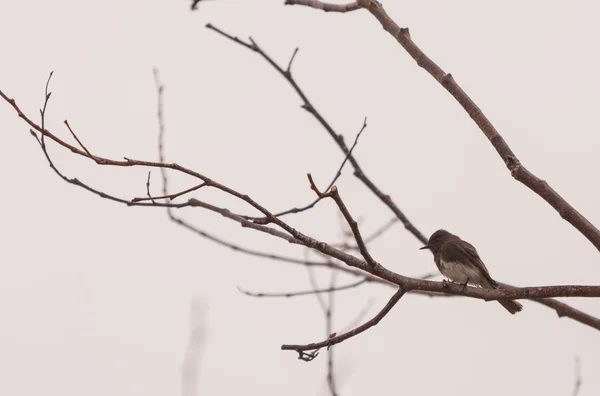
[95, 296]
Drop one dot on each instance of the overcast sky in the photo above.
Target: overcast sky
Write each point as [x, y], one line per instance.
[96, 296]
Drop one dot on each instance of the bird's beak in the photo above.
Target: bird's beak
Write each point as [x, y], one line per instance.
[425, 247]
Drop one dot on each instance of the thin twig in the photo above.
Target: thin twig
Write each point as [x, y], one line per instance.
[289, 68]
[301, 349]
[79, 141]
[339, 172]
[327, 7]
[169, 196]
[305, 292]
[43, 114]
[148, 187]
[334, 194]
[237, 40]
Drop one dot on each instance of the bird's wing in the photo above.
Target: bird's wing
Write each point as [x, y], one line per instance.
[454, 251]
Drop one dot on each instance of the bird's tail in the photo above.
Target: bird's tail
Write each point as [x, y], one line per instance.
[511, 306]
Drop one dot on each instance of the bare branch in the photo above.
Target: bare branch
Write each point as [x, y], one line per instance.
[327, 7]
[79, 141]
[566, 311]
[339, 172]
[301, 349]
[362, 247]
[240, 219]
[289, 68]
[170, 196]
[237, 40]
[148, 187]
[305, 292]
[338, 138]
[334, 194]
[517, 293]
[47, 95]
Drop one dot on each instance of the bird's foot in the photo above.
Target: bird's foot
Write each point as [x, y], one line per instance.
[464, 285]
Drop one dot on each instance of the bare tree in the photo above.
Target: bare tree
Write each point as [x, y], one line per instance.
[351, 257]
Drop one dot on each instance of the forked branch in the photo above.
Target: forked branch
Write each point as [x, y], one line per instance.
[338, 138]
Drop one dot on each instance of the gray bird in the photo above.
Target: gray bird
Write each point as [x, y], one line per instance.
[459, 261]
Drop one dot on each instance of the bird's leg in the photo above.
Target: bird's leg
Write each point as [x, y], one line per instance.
[464, 285]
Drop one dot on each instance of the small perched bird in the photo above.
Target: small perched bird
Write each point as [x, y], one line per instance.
[459, 261]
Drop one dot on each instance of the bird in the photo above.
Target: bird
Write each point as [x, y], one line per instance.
[459, 261]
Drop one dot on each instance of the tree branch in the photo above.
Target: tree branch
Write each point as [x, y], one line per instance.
[566, 311]
[301, 349]
[169, 196]
[327, 7]
[305, 292]
[334, 194]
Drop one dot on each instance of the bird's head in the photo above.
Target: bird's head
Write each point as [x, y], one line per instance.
[436, 240]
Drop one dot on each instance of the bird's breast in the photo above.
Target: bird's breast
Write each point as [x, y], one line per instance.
[459, 272]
